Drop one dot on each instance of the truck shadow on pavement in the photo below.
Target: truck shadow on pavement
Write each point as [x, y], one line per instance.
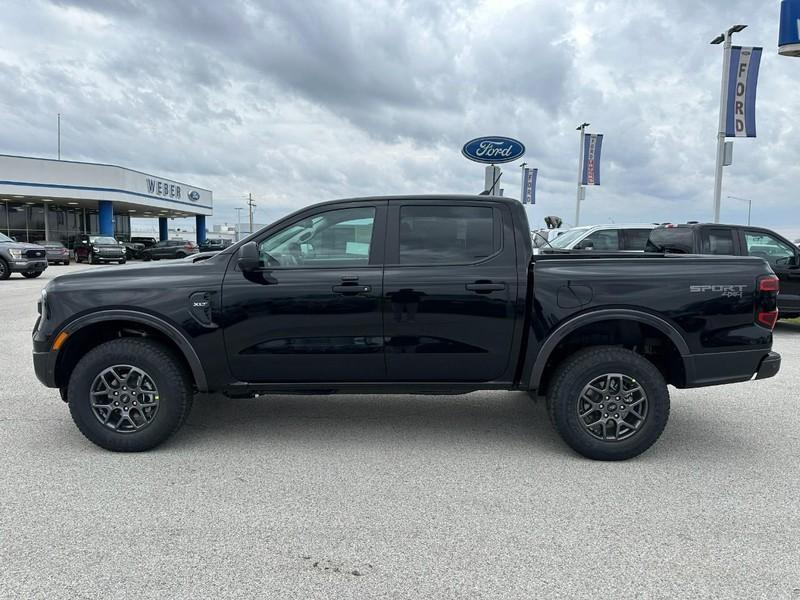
[475, 419]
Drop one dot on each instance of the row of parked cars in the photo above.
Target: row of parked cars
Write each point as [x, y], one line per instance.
[32, 259]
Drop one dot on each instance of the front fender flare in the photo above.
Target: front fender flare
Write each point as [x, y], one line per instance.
[168, 329]
[611, 314]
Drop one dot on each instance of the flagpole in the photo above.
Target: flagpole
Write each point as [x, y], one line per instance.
[723, 106]
[580, 175]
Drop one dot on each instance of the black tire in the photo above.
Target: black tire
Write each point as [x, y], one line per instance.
[181, 255]
[66, 263]
[93, 259]
[5, 270]
[122, 262]
[566, 400]
[173, 389]
[32, 274]
[146, 258]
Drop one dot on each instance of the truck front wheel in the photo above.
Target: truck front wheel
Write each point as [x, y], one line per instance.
[608, 403]
[129, 395]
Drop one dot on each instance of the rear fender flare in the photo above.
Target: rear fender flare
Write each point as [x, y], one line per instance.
[615, 314]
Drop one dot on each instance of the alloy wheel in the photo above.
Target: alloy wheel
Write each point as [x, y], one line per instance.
[124, 398]
[612, 407]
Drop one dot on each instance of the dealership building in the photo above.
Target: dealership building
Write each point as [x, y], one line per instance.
[45, 199]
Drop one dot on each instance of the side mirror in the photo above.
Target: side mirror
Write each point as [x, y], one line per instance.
[586, 245]
[248, 257]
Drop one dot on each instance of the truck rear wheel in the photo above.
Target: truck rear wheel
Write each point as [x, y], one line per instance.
[608, 403]
[129, 395]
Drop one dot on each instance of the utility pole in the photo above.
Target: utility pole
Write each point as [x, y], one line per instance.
[580, 128]
[749, 205]
[251, 205]
[725, 39]
[59, 136]
[238, 222]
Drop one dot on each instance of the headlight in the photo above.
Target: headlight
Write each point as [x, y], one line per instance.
[15, 253]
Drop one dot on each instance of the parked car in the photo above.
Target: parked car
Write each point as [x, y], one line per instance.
[147, 242]
[737, 240]
[213, 245]
[169, 249]
[21, 257]
[606, 238]
[98, 248]
[542, 238]
[406, 295]
[57, 253]
[133, 250]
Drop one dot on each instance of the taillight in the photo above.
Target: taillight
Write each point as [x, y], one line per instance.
[768, 285]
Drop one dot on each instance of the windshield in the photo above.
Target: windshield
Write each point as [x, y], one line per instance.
[5, 238]
[565, 239]
[98, 239]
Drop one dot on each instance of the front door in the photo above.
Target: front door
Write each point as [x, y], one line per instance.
[312, 312]
[784, 258]
[450, 287]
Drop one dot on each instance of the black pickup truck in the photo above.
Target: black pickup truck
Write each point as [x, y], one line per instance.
[432, 295]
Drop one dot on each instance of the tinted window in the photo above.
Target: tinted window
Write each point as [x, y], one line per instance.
[605, 239]
[768, 247]
[447, 234]
[335, 238]
[674, 240]
[635, 239]
[718, 241]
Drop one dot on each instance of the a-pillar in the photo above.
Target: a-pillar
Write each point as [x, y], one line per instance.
[200, 227]
[163, 229]
[106, 217]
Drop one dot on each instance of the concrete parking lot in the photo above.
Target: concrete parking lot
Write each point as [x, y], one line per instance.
[396, 496]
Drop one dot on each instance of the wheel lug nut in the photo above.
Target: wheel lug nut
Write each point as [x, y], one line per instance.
[116, 403]
[134, 403]
[616, 416]
[606, 415]
[601, 406]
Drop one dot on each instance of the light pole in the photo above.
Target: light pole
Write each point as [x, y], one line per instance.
[580, 175]
[725, 39]
[749, 205]
[238, 222]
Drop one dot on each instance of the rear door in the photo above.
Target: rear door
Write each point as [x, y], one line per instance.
[450, 286]
[783, 257]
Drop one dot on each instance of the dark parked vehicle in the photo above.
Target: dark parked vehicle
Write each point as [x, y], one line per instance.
[57, 253]
[133, 250]
[169, 249]
[147, 242]
[214, 245]
[406, 295]
[737, 240]
[98, 248]
[21, 257]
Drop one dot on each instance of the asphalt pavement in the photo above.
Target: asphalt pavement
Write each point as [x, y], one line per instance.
[365, 496]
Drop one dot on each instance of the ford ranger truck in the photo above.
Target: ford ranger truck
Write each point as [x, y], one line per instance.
[419, 295]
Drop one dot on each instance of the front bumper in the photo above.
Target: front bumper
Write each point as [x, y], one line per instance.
[44, 365]
[25, 265]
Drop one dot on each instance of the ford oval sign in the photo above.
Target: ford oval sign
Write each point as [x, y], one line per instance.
[493, 150]
[194, 196]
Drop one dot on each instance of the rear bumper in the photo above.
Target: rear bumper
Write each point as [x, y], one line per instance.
[730, 367]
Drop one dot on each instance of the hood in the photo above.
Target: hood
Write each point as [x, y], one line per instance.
[20, 245]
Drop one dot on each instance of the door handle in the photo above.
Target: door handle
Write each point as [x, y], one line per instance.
[351, 290]
[485, 287]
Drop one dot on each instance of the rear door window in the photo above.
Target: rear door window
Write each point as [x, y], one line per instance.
[448, 234]
[718, 241]
[634, 239]
[672, 240]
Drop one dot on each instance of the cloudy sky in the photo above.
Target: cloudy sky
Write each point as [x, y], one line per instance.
[298, 102]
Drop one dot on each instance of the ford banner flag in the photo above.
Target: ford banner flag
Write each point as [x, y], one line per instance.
[740, 108]
[592, 145]
[529, 185]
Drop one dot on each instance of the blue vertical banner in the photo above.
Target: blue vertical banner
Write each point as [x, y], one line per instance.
[528, 194]
[789, 36]
[592, 145]
[740, 107]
